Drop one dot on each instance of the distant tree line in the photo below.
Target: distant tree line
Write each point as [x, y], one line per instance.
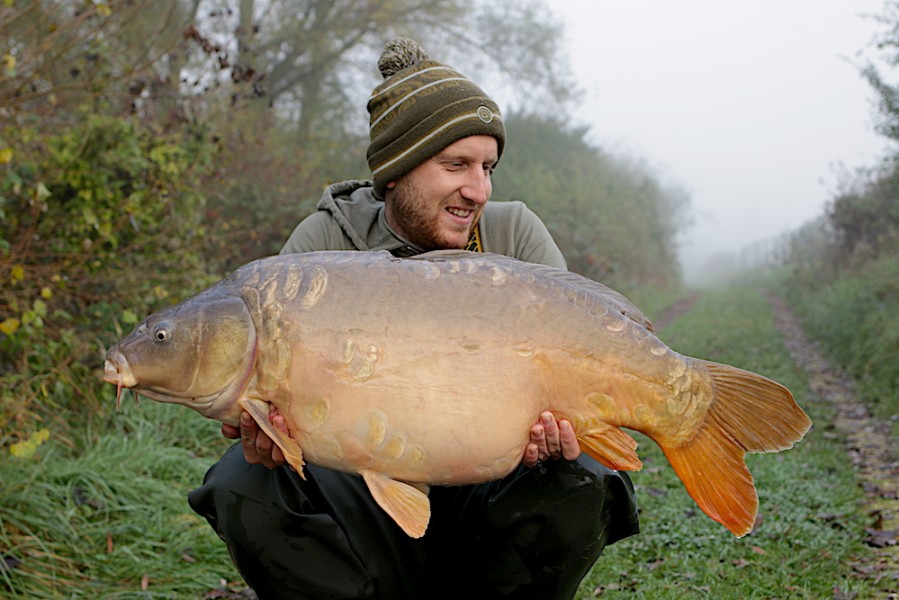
[860, 224]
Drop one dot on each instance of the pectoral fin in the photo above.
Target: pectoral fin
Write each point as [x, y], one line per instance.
[291, 449]
[407, 504]
[612, 447]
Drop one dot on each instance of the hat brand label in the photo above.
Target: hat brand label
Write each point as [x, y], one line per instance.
[485, 114]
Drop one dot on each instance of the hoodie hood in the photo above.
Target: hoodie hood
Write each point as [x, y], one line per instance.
[361, 217]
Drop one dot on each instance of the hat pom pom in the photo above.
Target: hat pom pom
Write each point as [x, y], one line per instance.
[400, 54]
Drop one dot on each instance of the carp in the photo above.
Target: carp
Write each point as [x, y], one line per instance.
[431, 370]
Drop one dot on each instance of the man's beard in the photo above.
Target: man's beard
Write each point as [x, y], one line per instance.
[419, 226]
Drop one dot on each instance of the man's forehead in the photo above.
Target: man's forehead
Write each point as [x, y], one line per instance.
[477, 147]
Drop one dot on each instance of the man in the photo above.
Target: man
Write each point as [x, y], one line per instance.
[435, 140]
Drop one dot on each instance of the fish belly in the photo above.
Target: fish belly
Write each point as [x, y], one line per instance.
[435, 417]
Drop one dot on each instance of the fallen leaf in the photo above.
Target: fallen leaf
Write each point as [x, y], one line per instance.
[882, 538]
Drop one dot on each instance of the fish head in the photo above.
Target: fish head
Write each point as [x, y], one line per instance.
[200, 353]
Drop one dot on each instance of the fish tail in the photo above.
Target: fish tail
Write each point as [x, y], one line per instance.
[748, 413]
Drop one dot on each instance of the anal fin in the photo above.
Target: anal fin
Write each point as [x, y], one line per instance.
[406, 504]
[612, 447]
[289, 446]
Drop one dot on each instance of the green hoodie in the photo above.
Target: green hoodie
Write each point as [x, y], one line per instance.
[349, 217]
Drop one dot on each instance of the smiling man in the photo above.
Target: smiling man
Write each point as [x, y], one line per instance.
[435, 140]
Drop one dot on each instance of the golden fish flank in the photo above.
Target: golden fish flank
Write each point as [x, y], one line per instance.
[354, 349]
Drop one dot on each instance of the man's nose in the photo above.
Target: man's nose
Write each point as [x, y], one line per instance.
[477, 187]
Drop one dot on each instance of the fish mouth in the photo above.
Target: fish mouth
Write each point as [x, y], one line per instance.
[117, 372]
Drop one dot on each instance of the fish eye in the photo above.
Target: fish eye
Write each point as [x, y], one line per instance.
[162, 332]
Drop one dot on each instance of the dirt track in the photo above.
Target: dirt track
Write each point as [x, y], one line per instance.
[868, 444]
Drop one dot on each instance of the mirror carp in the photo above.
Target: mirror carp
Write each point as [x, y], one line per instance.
[431, 370]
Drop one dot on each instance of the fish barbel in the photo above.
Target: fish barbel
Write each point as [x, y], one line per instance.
[431, 371]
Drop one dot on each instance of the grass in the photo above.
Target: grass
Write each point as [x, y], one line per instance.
[855, 318]
[111, 520]
[810, 528]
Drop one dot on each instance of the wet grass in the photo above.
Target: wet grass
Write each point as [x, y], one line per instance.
[110, 519]
[810, 529]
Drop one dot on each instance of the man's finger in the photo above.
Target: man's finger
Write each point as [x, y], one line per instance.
[280, 423]
[571, 448]
[230, 431]
[248, 432]
[531, 455]
[538, 440]
[551, 431]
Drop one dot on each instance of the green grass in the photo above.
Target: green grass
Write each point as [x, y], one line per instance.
[98, 522]
[855, 318]
[810, 529]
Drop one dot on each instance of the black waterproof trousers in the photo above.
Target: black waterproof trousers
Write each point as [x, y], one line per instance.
[533, 535]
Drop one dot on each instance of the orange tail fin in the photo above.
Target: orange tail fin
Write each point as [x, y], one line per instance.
[748, 413]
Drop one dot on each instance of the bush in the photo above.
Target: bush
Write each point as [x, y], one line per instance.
[94, 218]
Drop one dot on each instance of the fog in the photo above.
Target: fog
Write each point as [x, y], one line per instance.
[754, 108]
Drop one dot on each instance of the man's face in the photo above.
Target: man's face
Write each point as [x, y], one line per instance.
[437, 204]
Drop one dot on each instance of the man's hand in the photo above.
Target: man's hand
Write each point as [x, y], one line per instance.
[551, 439]
[258, 448]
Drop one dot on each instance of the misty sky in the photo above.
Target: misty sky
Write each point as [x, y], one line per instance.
[751, 107]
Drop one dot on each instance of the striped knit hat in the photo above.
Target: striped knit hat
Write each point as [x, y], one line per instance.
[420, 108]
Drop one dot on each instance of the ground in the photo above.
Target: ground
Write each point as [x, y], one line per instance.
[868, 444]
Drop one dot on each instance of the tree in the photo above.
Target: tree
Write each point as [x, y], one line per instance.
[613, 219]
[886, 42]
[315, 58]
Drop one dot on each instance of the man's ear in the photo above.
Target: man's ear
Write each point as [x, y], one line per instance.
[391, 185]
